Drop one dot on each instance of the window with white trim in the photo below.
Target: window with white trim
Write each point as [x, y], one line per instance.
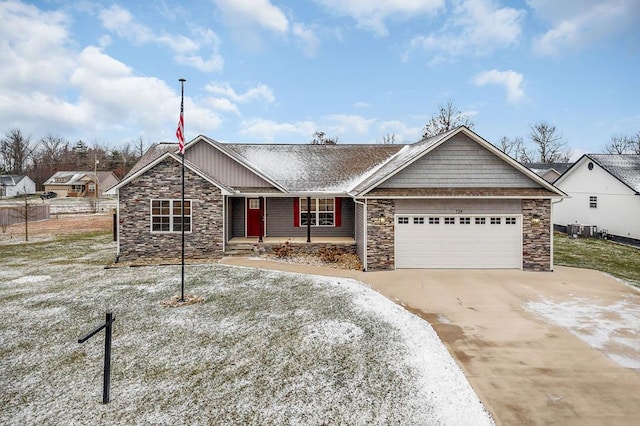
[510, 220]
[166, 216]
[322, 211]
[480, 220]
[465, 221]
[403, 220]
[593, 202]
[449, 220]
[495, 221]
[434, 221]
[418, 220]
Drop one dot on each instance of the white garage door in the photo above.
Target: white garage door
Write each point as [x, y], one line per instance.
[470, 241]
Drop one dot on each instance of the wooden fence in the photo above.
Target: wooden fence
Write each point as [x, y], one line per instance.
[15, 214]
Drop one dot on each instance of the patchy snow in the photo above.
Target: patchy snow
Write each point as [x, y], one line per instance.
[31, 279]
[613, 329]
[264, 347]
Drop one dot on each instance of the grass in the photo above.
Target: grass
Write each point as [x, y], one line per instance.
[619, 260]
[263, 347]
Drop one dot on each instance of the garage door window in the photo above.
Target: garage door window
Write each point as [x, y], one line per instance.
[434, 221]
[481, 220]
[495, 221]
[403, 220]
[418, 220]
[449, 220]
[465, 221]
[510, 220]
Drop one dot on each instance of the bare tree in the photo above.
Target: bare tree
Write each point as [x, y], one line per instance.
[139, 147]
[15, 151]
[617, 145]
[447, 118]
[548, 142]
[516, 149]
[320, 138]
[25, 210]
[388, 139]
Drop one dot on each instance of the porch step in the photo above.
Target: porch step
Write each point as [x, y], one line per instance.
[240, 250]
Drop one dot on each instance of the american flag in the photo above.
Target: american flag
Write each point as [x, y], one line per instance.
[180, 129]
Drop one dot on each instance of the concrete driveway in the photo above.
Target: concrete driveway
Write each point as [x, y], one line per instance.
[538, 348]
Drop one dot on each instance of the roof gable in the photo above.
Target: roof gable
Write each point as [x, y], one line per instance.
[625, 168]
[170, 155]
[446, 165]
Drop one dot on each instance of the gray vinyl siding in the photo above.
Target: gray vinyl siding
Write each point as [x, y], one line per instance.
[223, 168]
[237, 216]
[458, 206]
[280, 221]
[359, 231]
[459, 163]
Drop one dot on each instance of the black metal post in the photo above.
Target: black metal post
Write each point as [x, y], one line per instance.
[182, 80]
[106, 377]
[308, 219]
[106, 381]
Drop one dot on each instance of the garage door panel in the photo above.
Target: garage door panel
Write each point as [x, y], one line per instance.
[459, 245]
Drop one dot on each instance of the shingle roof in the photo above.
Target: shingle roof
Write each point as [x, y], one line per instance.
[542, 168]
[11, 180]
[624, 167]
[315, 168]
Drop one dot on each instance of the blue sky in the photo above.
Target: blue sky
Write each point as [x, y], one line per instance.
[277, 71]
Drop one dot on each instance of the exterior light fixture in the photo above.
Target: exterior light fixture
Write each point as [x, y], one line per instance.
[382, 219]
[535, 220]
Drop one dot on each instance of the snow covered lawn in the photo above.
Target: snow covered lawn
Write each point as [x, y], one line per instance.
[263, 348]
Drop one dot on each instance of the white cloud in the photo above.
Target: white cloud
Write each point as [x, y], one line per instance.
[511, 80]
[371, 14]
[403, 133]
[267, 130]
[187, 51]
[307, 38]
[475, 27]
[576, 25]
[261, 91]
[343, 124]
[248, 12]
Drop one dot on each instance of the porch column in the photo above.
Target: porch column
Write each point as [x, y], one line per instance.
[308, 219]
[261, 202]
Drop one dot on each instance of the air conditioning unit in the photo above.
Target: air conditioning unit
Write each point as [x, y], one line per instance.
[577, 229]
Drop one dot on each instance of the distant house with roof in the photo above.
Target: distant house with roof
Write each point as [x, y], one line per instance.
[604, 191]
[449, 201]
[548, 171]
[80, 183]
[12, 185]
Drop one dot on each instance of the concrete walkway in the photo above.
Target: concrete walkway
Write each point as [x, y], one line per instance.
[524, 368]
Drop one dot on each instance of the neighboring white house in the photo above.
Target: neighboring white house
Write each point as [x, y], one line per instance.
[12, 185]
[604, 191]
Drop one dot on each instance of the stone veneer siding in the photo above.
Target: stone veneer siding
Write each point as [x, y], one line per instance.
[380, 236]
[164, 181]
[536, 238]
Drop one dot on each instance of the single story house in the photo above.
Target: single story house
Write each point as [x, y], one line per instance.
[80, 184]
[12, 185]
[548, 171]
[604, 191]
[449, 201]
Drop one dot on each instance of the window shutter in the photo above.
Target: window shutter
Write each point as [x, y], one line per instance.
[296, 212]
[338, 207]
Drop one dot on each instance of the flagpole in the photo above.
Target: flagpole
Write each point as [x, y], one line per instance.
[182, 80]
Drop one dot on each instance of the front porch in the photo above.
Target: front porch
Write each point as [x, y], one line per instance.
[244, 246]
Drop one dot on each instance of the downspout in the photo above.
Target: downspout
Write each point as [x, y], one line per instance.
[364, 230]
[551, 230]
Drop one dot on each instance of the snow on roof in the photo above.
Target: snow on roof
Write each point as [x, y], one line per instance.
[315, 168]
[153, 152]
[405, 155]
[70, 177]
[625, 167]
[542, 168]
[11, 180]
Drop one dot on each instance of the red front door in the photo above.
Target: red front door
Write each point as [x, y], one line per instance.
[253, 217]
